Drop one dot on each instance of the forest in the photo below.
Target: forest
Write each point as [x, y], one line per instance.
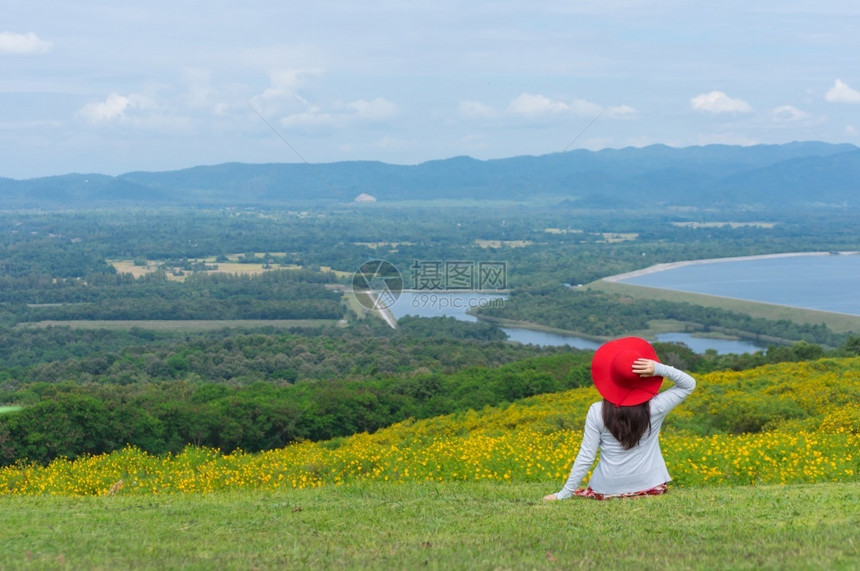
[255, 391]
[289, 356]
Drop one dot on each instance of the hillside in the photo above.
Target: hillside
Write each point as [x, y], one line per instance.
[772, 176]
[790, 423]
[764, 463]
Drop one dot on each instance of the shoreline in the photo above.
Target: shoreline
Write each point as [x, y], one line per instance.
[503, 322]
[673, 265]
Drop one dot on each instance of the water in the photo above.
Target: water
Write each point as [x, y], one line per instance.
[426, 304]
[821, 282]
[702, 344]
[813, 281]
[457, 304]
[547, 339]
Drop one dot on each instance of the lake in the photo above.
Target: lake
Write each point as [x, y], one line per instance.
[820, 281]
[456, 305]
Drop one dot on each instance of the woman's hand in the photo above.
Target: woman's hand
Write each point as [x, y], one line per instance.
[643, 367]
[550, 498]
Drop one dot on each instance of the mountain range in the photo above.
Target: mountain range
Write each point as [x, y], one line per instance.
[792, 175]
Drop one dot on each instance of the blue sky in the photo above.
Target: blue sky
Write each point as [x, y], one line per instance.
[119, 86]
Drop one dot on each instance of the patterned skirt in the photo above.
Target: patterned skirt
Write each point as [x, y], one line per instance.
[589, 493]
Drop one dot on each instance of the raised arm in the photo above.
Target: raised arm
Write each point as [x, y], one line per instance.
[672, 397]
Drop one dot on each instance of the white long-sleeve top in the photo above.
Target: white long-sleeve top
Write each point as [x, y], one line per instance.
[621, 471]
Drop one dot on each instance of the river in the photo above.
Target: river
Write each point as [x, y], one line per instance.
[822, 281]
[456, 305]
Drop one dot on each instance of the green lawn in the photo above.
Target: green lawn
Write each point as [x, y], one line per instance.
[838, 322]
[450, 526]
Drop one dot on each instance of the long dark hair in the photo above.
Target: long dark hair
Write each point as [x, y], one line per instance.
[627, 423]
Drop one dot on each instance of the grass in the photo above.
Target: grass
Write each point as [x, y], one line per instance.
[838, 322]
[359, 307]
[450, 526]
[5, 409]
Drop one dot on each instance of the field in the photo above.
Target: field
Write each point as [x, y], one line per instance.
[838, 322]
[233, 265]
[765, 471]
[437, 526]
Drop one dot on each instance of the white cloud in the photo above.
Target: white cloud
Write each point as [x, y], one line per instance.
[135, 110]
[286, 83]
[312, 116]
[788, 114]
[535, 104]
[842, 93]
[620, 112]
[377, 109]
[476, 110]
[113, 107]
[199, 90]
[291, 95]
[530, 104]
[283, 94]
[719, 102]
[585, 108]
[11, 43]
[373, 110]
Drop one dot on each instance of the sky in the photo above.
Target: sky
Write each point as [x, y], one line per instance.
[116, 86]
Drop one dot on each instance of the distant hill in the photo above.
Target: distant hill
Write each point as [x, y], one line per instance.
[798, 175]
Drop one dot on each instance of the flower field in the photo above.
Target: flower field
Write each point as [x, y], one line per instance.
[787, 423]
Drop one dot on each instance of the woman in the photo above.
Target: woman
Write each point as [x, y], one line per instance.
[625, 426]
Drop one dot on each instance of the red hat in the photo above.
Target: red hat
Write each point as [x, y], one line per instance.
[612, 372]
